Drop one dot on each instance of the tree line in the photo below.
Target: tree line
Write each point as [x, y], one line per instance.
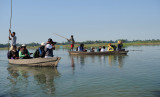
[89, 42]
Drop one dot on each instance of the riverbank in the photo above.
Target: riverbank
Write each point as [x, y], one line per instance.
[97, 45]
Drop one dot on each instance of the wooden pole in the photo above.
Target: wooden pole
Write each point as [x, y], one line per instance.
[60, 36]
[10, 25]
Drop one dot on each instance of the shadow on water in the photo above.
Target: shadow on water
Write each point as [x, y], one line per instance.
[42, 76]
[98, 59]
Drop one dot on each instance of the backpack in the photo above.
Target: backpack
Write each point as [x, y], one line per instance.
[36, 54]
[41, 52]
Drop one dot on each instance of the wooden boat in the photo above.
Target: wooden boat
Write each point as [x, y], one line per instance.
[98, 53]
[46, 62]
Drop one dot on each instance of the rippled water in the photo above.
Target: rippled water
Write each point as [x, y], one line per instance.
[134, 75]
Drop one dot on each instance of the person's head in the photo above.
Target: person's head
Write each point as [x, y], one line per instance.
[13, 33]
[14, 47]
[104, 47]
[71, 35]
[81, 44]
[109, 44]
[23, 47]
[50, 40]
[19, 48]
[119, 42]
[43, 44]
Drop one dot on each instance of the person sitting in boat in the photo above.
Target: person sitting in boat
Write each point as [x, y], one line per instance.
[103, 49]
[99, 49]
[50, 46]
[110, 48]
[92, 49]
[24, 53]
[81, 47]
[13, 53]
[40, 52]
[114, 47]
[120, 45]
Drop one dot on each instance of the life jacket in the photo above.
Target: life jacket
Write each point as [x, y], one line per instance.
[111, 49]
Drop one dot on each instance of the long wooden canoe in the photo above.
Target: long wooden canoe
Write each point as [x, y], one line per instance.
[46, 62]
[98, 53]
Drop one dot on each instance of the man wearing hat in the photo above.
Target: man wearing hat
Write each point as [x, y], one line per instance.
[49, 48]
[24, 53]
[41, 50]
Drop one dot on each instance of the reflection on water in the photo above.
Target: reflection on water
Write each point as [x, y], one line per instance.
[98, 59]
[43, 77]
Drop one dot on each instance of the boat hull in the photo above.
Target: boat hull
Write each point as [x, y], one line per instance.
[46, 62]
[98, 53]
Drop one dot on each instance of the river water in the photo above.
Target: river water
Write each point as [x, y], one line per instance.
[134, 75]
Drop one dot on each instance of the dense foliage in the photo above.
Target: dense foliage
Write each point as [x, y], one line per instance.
[92, 42]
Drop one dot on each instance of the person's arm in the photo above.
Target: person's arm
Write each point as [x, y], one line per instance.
[69, 39]
[28, 53]
[10, 33]
[21, 55]
[9, 38]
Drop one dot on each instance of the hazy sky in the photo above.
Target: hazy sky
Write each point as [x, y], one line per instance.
[36, 20]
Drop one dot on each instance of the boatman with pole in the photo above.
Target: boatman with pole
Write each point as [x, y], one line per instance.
[71, 39]
[13, 38]
[72, 42]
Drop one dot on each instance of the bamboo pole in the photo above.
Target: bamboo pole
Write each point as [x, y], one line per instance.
[10, 26]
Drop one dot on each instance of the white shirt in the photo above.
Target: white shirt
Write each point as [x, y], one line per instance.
[14, 40]
[103, 50]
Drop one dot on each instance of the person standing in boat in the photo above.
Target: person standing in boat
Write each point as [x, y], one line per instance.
[24, 53]
[120, 45]
[14, 38]
[72, 42]
[50, 46]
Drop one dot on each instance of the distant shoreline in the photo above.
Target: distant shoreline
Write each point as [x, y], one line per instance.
[97, 45]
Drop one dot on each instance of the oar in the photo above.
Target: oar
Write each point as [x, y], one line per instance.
[10, 26]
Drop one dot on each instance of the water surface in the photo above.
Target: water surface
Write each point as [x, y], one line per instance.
[137, 74]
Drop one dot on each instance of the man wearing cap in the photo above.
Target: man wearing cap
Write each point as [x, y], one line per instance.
[49, 48]
[41, 50]
[24, 53]
[14, 38]
[72, 42]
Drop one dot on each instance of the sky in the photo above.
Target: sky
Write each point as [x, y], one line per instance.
[37, 20]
